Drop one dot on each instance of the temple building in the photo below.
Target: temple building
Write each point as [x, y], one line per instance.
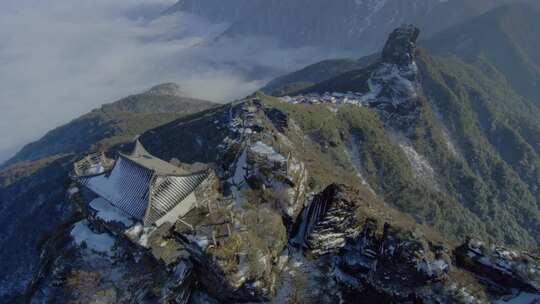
[144, 187]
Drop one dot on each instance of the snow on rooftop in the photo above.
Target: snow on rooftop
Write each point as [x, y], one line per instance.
[109, 213]
[102, 243]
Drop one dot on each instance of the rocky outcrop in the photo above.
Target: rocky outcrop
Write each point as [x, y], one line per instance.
[278, 118]
[265, 165]
[392, 85]
[368, 259]
[327, 222]
[392, 266]
[401, 45]
[502, 268]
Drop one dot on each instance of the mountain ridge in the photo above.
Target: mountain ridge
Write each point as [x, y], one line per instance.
[113, 118]
[479, 99]
[32, 183]
[360, 26]
[500, 37]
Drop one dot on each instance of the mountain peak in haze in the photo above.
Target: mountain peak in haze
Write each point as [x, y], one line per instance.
[160, 104]
[166, 89]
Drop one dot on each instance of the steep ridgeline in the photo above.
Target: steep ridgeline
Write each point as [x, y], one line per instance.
[350, 24]
[32, 187]
[464, 129]
[287, 215]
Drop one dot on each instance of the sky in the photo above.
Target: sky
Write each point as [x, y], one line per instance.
[62, 58]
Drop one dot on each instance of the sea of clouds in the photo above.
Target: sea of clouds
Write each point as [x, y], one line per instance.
[62, 58]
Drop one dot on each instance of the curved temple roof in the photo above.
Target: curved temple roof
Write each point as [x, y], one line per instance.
[145, 187]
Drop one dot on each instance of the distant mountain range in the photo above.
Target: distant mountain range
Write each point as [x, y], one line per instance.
[500, 38]
[350, 24]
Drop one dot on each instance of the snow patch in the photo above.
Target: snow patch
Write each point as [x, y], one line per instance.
[522, 298]
[72, 191]
[267, 151]
[446, 135]
[95, 169]
[353, 151]
[238, 180]
[201, 241]
[140, 234]
[109, 213]
[81, 234]
[420, 165]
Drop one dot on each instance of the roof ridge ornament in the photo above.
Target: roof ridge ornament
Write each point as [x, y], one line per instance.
[139, 149]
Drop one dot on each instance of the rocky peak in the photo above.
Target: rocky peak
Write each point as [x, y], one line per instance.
[401, 44]
[166, 89]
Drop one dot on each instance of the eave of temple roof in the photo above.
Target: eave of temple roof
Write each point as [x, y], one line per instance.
[147, 160]
[167, 192]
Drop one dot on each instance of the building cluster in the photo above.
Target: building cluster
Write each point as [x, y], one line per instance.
[352, 98]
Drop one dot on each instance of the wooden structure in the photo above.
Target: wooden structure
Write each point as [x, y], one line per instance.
[146, 188]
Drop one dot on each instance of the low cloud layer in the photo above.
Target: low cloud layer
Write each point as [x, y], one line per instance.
[61, 58]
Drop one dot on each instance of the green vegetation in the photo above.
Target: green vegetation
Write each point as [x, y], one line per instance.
[497, 177]
[111, 124]
[477, 127]
[480, 137]
[259, 242]
[505, 37]
[351, 81]
[12, 174]
[385, 166]
[313, 74]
